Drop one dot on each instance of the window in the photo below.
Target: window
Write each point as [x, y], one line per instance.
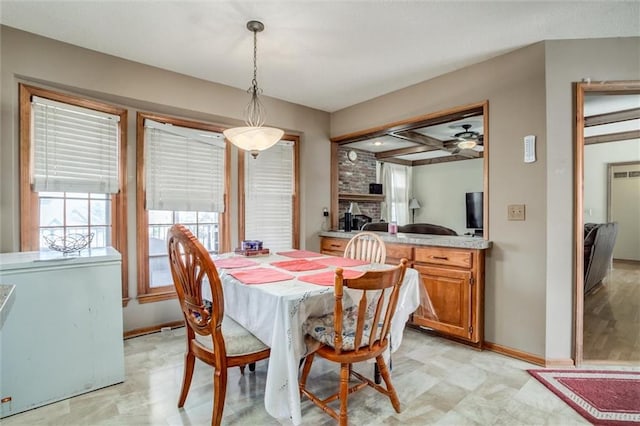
[269, 196]
[182, 178]
[68, 213]
[72, 168]
[204, 225]
[396, 181]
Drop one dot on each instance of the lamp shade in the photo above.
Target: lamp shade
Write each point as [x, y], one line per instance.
[414, 204]
[253, 139]
[354, 208]
[467, 144]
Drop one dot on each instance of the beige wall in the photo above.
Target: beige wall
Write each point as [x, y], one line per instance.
[529, 278]
[596, 159]
[514, 86]
[40, 61]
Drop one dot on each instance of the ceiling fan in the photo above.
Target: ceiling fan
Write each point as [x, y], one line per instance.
[468, 139]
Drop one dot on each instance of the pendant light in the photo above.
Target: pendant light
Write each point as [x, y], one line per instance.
[254, 137]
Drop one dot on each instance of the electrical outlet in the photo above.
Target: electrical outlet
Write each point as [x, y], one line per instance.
[515, 212]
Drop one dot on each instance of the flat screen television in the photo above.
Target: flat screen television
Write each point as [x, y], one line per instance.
[474, 210]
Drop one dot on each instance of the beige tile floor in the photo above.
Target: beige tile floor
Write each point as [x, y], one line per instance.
[438, 382]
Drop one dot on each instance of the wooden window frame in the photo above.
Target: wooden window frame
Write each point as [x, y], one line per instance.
[295, 243]
[147, 294]
[29, 205]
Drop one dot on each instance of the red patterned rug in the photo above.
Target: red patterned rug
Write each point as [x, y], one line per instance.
[603, 397]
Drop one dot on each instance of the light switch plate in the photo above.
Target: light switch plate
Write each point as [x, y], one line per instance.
[515, 212]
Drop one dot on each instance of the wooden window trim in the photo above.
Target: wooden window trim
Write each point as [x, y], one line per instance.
[29, 208]
[295, 243]
[147, 294]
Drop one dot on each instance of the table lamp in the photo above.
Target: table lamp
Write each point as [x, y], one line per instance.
[413, 206]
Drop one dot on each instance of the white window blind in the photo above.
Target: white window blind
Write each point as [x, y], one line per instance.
[269, 184]
[74, 149]
[184, 168]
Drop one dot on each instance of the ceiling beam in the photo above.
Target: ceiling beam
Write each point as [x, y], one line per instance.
[416, 137]
[397, 161]
[404, 151]
[612, 137]
[441, 160]
[366, 137]
[612, 117]
[468, 153]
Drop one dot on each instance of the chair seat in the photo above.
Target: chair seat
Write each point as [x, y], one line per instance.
[237, 339]
[322, 329]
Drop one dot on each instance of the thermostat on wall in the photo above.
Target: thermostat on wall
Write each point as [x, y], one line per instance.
[529, 149]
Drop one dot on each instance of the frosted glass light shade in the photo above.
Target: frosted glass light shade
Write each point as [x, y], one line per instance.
[253, 139]
[466, 144]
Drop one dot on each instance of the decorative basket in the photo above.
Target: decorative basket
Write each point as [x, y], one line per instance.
[69, 243]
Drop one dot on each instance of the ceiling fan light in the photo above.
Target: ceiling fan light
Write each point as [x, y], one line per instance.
[467, 144]
[253, 139]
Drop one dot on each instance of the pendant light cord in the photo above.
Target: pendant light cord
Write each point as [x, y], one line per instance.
[255, 115]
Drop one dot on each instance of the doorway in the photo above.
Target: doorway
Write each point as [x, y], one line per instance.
[624, 208]
[607, 132]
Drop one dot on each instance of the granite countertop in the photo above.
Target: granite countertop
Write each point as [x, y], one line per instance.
[7, 294]
[420, 239]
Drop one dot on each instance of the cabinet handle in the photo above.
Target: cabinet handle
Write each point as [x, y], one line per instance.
[440, 257]
[335, 245]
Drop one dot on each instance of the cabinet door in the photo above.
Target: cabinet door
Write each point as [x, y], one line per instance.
[450, 294]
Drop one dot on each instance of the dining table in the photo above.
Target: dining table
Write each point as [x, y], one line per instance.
[272, 296]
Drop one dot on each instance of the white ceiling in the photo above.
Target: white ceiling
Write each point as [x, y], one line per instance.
[323, 54]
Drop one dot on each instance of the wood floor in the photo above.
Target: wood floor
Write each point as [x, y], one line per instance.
[612, 316]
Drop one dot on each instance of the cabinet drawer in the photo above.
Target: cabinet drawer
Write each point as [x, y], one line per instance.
[443, 256]
[398, 251]
[333, 244]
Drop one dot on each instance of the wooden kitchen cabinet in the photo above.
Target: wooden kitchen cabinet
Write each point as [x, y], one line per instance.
[454, 280]
[453, 277]
[396, 252]
[333, 246]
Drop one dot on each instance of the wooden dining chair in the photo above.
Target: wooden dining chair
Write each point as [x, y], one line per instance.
[212, 337]
[354, 333]
[366, 246]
